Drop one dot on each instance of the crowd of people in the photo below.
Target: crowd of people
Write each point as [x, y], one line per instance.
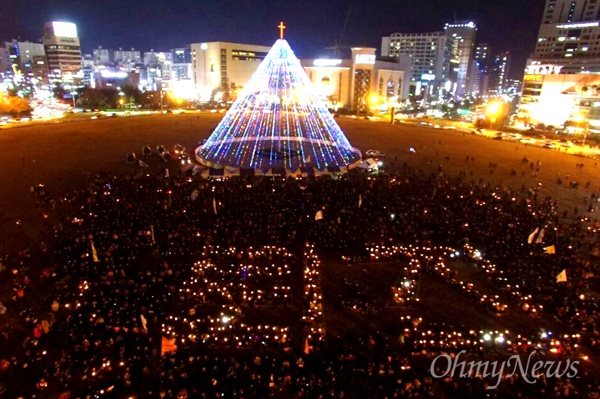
[178, 286]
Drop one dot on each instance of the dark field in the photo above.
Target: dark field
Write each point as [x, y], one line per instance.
[358, 295]
[59, 155]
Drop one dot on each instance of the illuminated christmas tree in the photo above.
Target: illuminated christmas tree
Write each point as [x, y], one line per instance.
[279, 122]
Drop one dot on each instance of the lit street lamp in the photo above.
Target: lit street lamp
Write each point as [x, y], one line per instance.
[583, 119]
[121, 99]
[73, 94]
[493, 110]
[161, 101]
[585, 132]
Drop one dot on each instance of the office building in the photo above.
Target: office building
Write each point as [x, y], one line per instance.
[462, 41]
[102, 56]
[39, 69]
[482, 53]
[88, 67]
[220, 68]
[569, 36]
[124, 59]
[490, 74]
[155, 75]
[181, 67]
[500, 72]
[514, 86]
[5, 62]
[63, 50]
[127, 58]
[560, 11]
[564, 71]
[429, 55]
[24, 57]
[442, 61]
[481, 69]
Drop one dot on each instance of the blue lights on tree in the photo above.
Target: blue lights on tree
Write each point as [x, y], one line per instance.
[278, 122]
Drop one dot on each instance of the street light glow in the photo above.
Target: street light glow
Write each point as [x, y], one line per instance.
[493, 108]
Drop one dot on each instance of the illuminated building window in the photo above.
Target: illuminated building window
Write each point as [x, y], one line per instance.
[242, 55]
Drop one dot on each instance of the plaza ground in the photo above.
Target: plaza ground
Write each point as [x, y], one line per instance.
[59, 155]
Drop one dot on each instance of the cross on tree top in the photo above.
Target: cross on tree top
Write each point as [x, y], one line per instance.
[281, 27]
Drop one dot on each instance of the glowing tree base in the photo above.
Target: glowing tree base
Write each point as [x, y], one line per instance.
[278, 125]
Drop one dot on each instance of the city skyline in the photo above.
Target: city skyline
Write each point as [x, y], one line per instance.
[311, 26]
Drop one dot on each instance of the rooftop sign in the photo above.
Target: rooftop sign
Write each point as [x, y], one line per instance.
[364, 59]
[576, 25]
[326, 62]
[64, 29]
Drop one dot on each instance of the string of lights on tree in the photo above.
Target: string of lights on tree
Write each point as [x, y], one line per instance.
[279, 121]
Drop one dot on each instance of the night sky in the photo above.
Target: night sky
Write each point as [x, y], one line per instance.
[312, 25]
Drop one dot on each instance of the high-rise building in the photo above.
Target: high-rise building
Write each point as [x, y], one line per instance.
[513, 86]
[181, 68]
[124, 59]
[22, 55]
[155, 73]
[480, 80]
[569, 36]
[462, 38]
[429, 56]
[182, 55]
[89, 65]
[39, 68]
[63, 50]
[482, 53]
[438, 57]
[5, 62]
[563, 72]
[102, 56]
[561, 11]
[501, 69]
[127, 58]
[490, 75]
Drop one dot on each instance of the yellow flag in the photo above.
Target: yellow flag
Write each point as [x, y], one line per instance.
[94, 253]
[550, 250]
[562, 277]
[319, 215]
[167, 345]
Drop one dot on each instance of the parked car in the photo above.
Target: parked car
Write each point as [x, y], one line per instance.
[185, 159]
[374, 154]
[178, 150]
